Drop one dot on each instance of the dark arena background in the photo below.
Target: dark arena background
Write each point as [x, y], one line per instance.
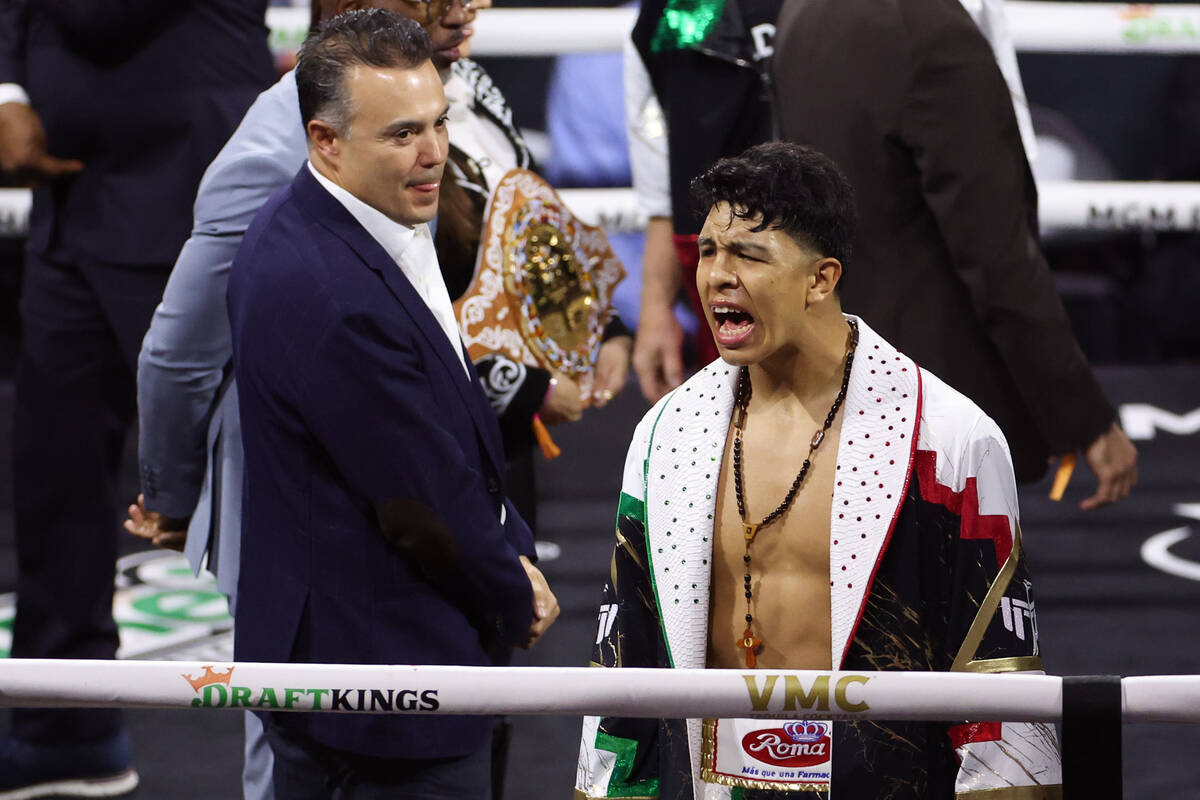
[1117, 590]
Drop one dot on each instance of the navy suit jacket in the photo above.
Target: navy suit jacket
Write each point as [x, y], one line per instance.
[374, 486]
[145, 93]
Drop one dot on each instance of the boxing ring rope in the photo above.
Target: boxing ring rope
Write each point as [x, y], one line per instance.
[1073, 205]
[1036, 26]
[574, 691]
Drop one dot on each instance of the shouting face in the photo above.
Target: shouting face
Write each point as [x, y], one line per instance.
[756, 287]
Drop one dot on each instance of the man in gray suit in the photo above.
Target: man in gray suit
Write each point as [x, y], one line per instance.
[190, 447]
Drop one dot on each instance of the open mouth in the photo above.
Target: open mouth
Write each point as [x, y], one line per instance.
[733, 324]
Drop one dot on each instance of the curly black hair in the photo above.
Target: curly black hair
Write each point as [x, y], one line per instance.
[786, 186]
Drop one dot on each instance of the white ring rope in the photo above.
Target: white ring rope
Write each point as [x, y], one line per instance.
[1035, 27]
[1161, 698]
[533, 690]
[572, 691]
[1072, 205]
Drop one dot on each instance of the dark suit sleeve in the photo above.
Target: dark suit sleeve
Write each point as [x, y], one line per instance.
[13, 17]
[959, 125]
[366, 398]
[518, 532]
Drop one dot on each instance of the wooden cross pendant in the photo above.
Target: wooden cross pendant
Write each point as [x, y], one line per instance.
[749, 530]
[750, 643]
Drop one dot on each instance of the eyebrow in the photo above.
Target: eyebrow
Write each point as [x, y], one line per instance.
[748, 248]
[401, 124]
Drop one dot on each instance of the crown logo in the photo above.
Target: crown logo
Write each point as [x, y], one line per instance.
[1137, 11]
[805, 730]
[209, 677]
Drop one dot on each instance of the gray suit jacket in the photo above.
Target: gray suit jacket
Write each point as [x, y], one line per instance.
[190, 446]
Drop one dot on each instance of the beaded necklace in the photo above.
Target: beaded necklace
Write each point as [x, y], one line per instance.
[748, 641]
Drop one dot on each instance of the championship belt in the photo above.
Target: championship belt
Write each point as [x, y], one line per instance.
[542, 290]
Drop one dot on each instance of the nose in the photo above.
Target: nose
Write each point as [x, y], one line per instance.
[458, 13]
[437, 147]
[717, 271]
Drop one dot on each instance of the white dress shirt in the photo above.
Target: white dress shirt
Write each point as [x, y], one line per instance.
[13, 93]
[412, 250]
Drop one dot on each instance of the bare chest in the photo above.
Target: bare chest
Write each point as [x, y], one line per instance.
[787, 559]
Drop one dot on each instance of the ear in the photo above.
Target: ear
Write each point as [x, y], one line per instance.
[324, 139]
[826, 274]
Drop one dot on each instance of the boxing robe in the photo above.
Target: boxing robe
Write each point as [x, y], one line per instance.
[926, 574]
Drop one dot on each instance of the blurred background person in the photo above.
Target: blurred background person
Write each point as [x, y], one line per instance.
[947, 262]
[696, 90]
[112, 111]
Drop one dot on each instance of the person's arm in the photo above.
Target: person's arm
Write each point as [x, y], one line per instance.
[545, 604]
[160, 530]
[14, 26]
[517, 391]
[23, 153]
[612, 363]
[993, 621]
[658, 349]
[181, 369]
[185, 359]
[1113, 458]
[22, 136]
[958, 124]
[186, 353]
[619, 756]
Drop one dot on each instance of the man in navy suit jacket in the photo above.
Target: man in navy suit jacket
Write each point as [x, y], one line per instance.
[375, 524]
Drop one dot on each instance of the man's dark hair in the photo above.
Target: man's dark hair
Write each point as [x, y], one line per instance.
[792, 187]
[371, 38]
